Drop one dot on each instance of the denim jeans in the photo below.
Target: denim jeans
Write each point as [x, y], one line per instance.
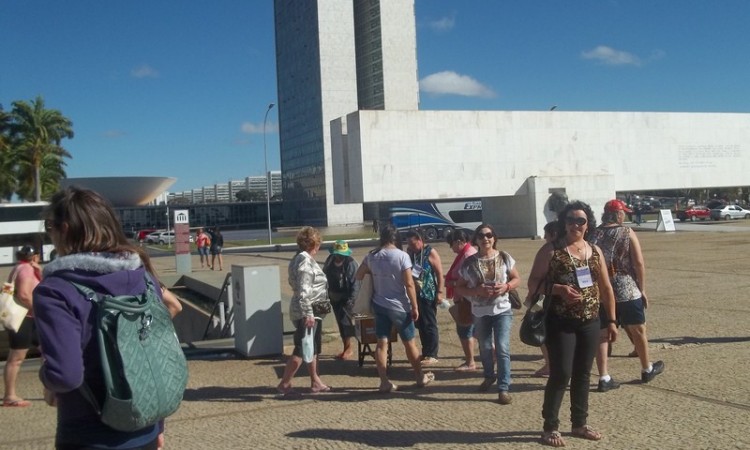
[497, 328]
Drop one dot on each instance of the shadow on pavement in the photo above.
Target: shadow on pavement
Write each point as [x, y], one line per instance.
[394, 438]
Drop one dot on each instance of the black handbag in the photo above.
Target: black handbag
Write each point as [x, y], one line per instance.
[533, 330]
[321, 307]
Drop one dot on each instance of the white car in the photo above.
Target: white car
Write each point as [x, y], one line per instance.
[160, 237]
[730, 212]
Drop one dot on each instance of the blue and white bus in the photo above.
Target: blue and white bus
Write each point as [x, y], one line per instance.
[436, 219]
[21, 224]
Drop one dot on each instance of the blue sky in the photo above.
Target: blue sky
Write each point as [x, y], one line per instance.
[180, 88]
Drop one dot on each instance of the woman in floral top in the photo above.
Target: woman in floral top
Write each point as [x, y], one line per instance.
[577, 279]
[309, 284]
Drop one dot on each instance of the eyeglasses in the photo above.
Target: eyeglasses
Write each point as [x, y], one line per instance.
[580, 221]
[489, 235]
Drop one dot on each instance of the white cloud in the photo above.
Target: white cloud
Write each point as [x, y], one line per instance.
[611, 57]
[452, 83]
[113, 134]
[253, 128]
[144, 71]
[442, 25]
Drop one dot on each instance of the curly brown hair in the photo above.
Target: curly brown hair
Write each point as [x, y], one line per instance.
[308, 238]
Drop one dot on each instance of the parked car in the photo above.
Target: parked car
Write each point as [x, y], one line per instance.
[694, 213]
[730, 212]
[160, 237]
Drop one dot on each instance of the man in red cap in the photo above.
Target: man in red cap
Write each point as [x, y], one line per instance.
[627, 272]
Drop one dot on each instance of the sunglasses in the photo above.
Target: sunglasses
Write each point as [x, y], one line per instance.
[580, 221]
[486, 235]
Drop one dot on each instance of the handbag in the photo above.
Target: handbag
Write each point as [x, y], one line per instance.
[533, 329]
[461, 313]
[363, 298]
[11, 313]
[321, 307]
[513, 297]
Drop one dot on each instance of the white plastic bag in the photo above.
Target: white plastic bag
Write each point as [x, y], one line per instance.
[308, 344]
[363, 298]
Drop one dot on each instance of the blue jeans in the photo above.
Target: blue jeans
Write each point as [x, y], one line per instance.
[497, 327]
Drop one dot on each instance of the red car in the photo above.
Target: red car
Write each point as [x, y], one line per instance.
[694, 213]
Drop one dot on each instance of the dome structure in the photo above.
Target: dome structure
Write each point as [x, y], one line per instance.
[124, 191]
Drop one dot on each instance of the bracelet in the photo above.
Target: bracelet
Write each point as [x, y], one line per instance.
[612, 321]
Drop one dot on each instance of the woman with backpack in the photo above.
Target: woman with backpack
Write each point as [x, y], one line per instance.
[93, 252]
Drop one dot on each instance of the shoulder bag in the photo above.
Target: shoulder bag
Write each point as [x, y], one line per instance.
[11, 313]
[515, 299]
[533, 329]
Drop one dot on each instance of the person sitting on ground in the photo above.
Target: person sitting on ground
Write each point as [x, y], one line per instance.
[26, 276]
[340, 269]
[394, 302]
[627, 272]
[460, 243]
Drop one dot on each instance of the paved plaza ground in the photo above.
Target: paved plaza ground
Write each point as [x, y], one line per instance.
[698, 284]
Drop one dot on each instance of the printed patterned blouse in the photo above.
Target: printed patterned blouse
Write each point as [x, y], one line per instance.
[615, 245]
[563, 271]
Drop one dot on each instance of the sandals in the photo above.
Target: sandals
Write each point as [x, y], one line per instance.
[16, 403]
[427, 378]
[633, 354]
[553, 439]
[465, 367]
[320, 389]
[586, 432]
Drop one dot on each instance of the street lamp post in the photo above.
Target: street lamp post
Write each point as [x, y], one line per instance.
[268, 175]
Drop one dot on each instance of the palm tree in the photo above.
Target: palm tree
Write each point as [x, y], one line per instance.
[7, 159]
[39, 133]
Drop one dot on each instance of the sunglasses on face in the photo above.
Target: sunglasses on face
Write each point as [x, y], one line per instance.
[489, 235]
[580, 221]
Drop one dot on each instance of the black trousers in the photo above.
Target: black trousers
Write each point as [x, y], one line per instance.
[346, 329]
[572, 346]
[428, 328]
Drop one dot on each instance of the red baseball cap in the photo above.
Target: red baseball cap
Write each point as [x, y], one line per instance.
[616, 205]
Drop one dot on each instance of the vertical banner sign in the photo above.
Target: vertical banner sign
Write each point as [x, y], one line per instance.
[181, 232]
[182, 241]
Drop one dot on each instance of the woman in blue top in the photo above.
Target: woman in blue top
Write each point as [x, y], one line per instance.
[394, 301]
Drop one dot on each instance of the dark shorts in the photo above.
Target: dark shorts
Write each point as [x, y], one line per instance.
[299, 333]
[216, 250]
[628, 313]
[25, 337]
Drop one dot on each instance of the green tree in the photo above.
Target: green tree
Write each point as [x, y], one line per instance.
[7, 159]
[38, 134]
[249, 196]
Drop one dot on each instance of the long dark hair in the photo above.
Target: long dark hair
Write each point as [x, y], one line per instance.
[458, 234]
[390, 235]
[576, 205]
[85, 222]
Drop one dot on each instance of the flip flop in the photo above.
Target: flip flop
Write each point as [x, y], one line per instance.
[16, 403]
[320, 390]
[465, 368]
[390, 388]
[289, 395]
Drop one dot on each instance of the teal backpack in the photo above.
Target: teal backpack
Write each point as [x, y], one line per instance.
[144, 368]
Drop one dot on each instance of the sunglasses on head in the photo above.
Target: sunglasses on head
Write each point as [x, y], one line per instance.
[580, 221]
[488, 235]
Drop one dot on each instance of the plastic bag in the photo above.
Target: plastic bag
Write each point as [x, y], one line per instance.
[308, 345]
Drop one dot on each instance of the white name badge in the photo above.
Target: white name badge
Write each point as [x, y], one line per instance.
[583, 274]
[416, 270]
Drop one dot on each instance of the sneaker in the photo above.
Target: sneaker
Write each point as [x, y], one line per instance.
[504, 398]
[486, 384]
[428, 361]
[605, 386]
[656, 370]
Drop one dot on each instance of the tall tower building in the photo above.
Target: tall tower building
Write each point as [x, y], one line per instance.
[334, 57]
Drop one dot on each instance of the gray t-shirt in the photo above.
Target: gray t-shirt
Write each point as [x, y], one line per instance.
[387, 266]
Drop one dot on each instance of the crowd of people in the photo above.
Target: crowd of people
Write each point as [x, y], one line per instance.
[594, 277]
